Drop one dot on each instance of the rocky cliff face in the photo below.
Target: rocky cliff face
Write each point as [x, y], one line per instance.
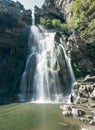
[50, 10]
[14, 33]
[82, 56]
[57, 8]
[81, 53]
[65, 6]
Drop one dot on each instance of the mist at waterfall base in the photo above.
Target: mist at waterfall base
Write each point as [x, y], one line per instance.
[40, 81]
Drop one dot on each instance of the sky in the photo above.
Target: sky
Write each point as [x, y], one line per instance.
[29, 4]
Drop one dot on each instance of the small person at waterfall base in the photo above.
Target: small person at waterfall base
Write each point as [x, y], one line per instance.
[72, 99]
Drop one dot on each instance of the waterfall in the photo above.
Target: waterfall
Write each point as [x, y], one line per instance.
[33, 17]
[44, 85]
[68, 62]
[40, 80]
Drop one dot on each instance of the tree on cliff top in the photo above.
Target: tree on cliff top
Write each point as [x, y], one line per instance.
[83, 19]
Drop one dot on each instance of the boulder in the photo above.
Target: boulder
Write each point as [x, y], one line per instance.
[66, 110]
[83, 91]
[81, 112]
[93, 85]
[89, 88]
[89, 117]
[92, 122]
[89, 78]
[92, 95]
[74, 112]
[81, 100]
[76, 85]
[67, 113]
[92, 105]
[66, 107]
[85, 120]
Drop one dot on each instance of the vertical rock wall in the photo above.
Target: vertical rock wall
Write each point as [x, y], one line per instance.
[14, 33]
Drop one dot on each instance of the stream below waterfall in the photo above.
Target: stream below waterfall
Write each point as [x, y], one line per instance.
[30, 116]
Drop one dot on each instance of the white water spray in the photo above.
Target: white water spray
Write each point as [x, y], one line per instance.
[33, 17]
[68, 62]
[46, 60]
[40, 81]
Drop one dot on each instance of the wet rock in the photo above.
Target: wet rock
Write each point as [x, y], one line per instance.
[89, 79]
[92, 95]
[94, 118]
[92, 105]
[81, 100]
[89, 88]
[77, 100]
[89, 116]
[85, 120]
[76, 86]
[93, 112]
[74, 112]
[83, 91]
[92, 122]
[68, 110]
[66, 107]
[81, 112]
[67, 113]
[93, 85]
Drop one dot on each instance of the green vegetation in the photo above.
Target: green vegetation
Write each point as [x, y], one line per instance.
[55, 24]
[50, 23]
[77, 69]
[83, 19]
[27, 116]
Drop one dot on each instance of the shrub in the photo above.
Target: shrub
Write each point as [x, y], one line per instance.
[55, 24]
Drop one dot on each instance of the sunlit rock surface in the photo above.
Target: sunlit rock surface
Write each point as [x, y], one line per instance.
[49, 10]
[65, 6]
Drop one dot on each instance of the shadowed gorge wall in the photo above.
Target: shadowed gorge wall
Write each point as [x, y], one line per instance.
[14, 33]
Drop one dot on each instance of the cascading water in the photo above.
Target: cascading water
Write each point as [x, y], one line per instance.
[33, 17]
[68, 62]
[40, 80]
[46, 86]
